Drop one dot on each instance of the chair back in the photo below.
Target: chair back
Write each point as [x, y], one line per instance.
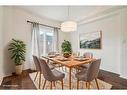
[38, 68]
[88, 55]
[46, 71]
[52, 53]
[93, 70]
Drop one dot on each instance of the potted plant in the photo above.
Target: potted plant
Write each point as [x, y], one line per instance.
[17, 49]
[66, 49]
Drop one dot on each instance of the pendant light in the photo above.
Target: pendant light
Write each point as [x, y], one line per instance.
[69, 25]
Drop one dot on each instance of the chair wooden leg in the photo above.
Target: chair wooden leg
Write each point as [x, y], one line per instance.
[88, 85]
[59, 67]
[36, 76]
[54, 84]
[97, 83]
[51, 85]
[62, 68]
[44, 84]
[77, 84]
[65, 69]
[62, 84]
[40, 80]
[77, 70]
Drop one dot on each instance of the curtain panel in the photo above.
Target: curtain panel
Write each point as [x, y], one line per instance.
[43, 40]
[35, 47]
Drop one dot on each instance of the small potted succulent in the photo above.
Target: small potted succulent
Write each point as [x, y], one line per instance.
[66, 49]
[17, 49]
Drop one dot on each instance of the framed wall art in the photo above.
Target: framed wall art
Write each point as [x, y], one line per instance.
[91, 40]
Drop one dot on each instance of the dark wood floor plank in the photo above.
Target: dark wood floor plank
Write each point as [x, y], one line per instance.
[114, 79]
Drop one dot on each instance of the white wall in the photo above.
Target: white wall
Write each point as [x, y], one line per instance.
[112, 33]
[16, 26]
[123, 30]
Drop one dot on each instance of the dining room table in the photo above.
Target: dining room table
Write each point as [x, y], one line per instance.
[70, 63]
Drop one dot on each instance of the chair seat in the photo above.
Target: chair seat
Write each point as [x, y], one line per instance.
[58, 75]
[81, 76]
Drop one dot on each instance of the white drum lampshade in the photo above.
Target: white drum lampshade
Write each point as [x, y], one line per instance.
[69, 26]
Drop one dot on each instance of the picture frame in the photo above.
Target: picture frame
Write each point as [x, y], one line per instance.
[91, 40]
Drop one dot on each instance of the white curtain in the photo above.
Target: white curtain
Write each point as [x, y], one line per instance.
[34, 44]
[56, 40]
[37, 47]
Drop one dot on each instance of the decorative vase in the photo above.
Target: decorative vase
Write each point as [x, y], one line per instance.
[18, 69]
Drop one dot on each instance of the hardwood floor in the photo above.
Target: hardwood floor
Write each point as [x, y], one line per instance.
[24, 82]
[114, 79]
[18, 82]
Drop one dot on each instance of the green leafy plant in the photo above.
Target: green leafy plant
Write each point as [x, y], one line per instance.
[18, 51]
[66, 47]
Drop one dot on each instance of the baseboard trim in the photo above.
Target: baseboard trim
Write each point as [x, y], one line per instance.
[125, 77]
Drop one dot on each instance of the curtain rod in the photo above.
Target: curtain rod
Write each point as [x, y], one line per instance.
[43, 24]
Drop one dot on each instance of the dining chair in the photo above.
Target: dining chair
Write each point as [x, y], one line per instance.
[50, 75]
[87, 55]
[90, 74]
[52, 53]
[38, 69]
[53, 63]
[84, 66]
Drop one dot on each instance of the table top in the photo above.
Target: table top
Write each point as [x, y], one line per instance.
[69, 62]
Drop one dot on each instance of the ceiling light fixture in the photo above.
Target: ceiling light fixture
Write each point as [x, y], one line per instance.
[69, 25]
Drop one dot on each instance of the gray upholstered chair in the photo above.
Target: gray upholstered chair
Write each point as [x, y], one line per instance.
[50, 75]
[38, 69]
[53, 63]
[87, 55]
[89, 74]
[52, 53]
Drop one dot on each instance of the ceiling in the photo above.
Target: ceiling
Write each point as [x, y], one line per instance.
[60, 13]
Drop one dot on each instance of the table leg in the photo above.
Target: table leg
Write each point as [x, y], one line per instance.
[70, 78]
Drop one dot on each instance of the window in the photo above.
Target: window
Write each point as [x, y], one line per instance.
[47, 40]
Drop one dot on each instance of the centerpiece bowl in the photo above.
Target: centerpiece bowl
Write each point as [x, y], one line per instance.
[66, 55]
